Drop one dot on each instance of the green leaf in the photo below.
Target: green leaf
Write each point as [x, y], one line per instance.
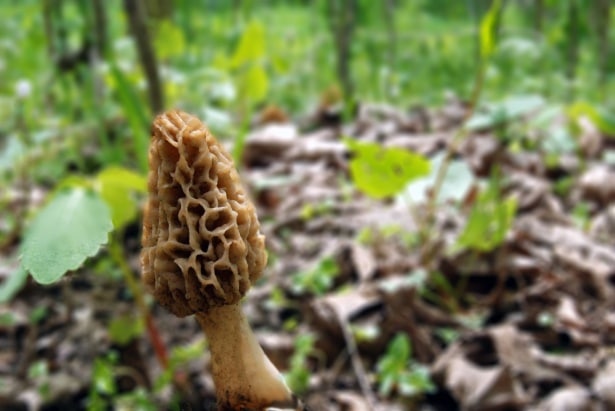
[13, 151]
[13, 284]
[558, 140]
[601, 118]
[488, 26]
[457, 181]
[489, 221]
[169, 40]
[416, 381]
[117, 187]
[69, 229]
[254, 84]
[520, 105]
[251, 47]
[136, 115]
[123, 329]
[383, 172]
[504, 111]
[318, 279]
[103, 377]
[393, 363]
[298, 376]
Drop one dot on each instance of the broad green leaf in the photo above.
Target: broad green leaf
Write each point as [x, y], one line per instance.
[488, 26]
[69, 229]
[254, 84]
[558, 140]
[169, 40]
[383, 172]
[457, 181]
[13, 284]
[520, 105]
[511, 108]
[117, 187]
[251, 46]
[603, 120]
[123, 329]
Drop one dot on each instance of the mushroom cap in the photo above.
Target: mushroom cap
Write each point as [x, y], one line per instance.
[201, 242]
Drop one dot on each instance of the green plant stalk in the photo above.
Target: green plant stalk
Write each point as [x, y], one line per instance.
[117, 256]
[461, 133]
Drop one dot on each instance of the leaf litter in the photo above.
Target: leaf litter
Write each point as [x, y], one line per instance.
[526, 322]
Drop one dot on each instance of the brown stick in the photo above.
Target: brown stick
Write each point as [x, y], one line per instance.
[138, 28]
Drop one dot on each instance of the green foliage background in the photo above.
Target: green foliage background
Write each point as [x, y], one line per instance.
[74, 120]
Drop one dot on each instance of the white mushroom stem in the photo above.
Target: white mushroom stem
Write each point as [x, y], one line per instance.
[242, 373]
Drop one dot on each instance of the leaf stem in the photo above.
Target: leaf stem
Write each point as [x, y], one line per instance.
[426, 229]
[115, 251]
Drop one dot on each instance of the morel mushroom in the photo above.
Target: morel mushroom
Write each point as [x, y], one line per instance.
[202, 250]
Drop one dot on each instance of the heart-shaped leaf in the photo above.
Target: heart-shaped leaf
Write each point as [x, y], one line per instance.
[69, 229]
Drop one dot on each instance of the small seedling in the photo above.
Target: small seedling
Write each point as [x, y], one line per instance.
[396, 371]
[317, 280]
[298, 376]
[489, 221]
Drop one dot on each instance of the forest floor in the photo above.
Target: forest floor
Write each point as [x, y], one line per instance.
[528, 323]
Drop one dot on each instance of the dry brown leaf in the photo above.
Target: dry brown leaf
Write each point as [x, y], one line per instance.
[363, 260]
[268, 144]
[568, 314]
[598, 184]
[591, 140]
[604, 385]
[351, 401]
[568, 399]
[477, 388]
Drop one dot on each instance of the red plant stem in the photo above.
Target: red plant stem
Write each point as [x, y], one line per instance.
[160, 348]
[146, 316]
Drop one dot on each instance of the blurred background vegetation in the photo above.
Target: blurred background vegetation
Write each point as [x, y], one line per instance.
[82, 79]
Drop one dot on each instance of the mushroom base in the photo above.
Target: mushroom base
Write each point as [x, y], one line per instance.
[243, 375]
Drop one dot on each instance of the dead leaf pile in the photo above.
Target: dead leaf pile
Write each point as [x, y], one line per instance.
[532, 319]
[527, 325]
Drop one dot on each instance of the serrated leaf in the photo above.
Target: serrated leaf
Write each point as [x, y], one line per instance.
[69, 229]
[117, 186]
[383, 172]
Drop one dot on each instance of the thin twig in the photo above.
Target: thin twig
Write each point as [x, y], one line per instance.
[357, 365]
[159, 348]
